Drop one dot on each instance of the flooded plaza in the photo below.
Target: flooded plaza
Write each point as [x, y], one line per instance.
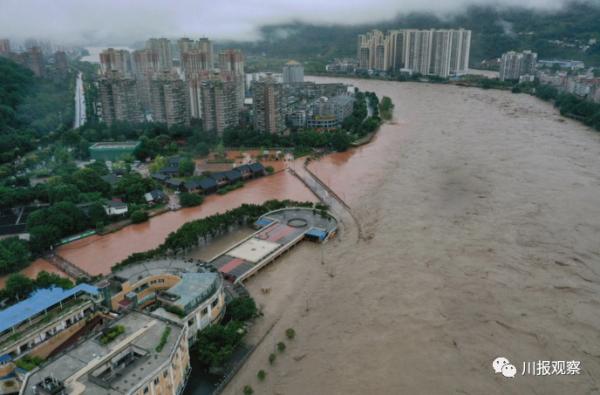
[481, 227]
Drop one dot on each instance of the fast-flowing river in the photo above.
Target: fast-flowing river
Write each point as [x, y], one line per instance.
[480, 214]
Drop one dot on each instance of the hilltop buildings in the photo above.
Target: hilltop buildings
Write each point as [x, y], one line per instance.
[429, 52]
[513, 65]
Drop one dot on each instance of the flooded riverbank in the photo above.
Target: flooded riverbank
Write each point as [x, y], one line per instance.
[97, 254]
[37, 266]
[481, 215]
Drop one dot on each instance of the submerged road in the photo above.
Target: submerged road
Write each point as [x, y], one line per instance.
[80, 117]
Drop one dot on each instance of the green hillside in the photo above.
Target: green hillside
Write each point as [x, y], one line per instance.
[495, 30]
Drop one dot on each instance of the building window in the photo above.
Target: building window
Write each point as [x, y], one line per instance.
[205, 311]
[165, 373]
[214, 303]
[156, 381]
[191, 322]
[146, 390]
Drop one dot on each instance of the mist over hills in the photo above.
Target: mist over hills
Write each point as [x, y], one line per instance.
[555, 33]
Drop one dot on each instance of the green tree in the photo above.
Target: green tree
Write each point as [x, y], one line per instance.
[47, 280]
[97, 214]
[340, 141]
[42, 237]
[18, 286]
[217, 343]
[63, 193]
[242, 309]
[132, 187]
[186, 167]
[88, 180]
[158, 163]
[190, 199]
[14, 255]
[139, 216]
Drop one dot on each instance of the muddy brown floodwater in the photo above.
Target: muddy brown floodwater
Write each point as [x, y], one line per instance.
[481, 219]
[34, 268]
[97, 254]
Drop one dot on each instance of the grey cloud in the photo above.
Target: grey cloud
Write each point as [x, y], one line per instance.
[121, 22]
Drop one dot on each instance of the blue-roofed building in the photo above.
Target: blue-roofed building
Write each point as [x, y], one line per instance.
[51, 313]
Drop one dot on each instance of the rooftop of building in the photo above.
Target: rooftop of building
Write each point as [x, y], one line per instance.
[115, 145]
[139, 271]
[278, 229]
[192, 289]
[292, 63]
[135, 349]
[341, 99]
[38, 302]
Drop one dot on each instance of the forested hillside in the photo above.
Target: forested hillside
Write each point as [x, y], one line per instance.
[563, 33]
[30, 109]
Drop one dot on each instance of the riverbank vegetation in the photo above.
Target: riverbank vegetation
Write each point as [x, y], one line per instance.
[14, 255]
[187, 199]
[357, 125]
[190, 234]
[18, 286]
[386, 108]
[217, 344]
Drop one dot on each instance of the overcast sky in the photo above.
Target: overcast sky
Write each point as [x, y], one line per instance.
[122, 22]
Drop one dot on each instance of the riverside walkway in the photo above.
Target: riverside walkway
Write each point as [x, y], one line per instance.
[336, 204]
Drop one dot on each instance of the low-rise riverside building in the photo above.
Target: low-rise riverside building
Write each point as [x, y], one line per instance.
[172, 289]
[41, 323]
[279, 231]
[149, 355]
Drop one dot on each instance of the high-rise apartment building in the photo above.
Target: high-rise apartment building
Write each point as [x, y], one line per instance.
[61, 63]
[119, 98]
[145, 61]
[115, 60]
[35, 61]
[186, 44]
[231, 62]
[4, 46]
[169, 102]
[195, 61]
[268, 105]
[293, 73]
[220, 104]
[515, 64]
[162, 46]
[429, 52]
[194, 86]
[205, 45]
